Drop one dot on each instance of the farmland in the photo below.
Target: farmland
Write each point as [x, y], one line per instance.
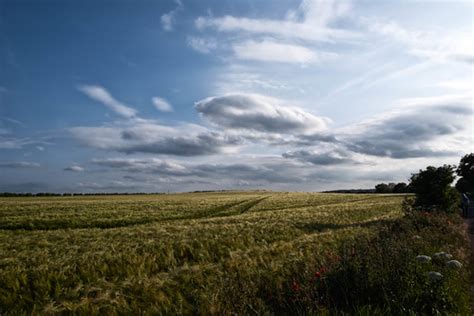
[183, 253]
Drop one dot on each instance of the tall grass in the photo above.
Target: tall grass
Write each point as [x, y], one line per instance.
[223, 253]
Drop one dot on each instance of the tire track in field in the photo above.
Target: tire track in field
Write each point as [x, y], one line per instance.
[243, 207]
[321, 205]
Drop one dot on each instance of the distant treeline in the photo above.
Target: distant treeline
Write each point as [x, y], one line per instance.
[400, 187]
[391, 187]
[355, 191]
[11, 194]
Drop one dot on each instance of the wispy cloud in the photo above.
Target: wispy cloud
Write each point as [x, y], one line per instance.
[74, 168]
[19, 165]
[103, 96]
[201, 44]
[427, 44]
[168, 19]
[309, 22]
[271, 51]
[161, 104]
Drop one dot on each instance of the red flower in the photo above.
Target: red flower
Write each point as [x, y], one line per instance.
[317, 275]
[295, 286]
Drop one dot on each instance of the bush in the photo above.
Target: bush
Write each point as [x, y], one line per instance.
[433, 190]
[465, 171]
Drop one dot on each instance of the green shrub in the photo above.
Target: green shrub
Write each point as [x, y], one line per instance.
[433, 190]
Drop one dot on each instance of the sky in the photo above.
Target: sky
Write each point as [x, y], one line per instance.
[181, 95]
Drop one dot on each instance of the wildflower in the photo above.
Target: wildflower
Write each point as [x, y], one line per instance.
[454, 264]
[317, 275]
[295, 286]
[435, 276]
[442, 255]
[417, 237]
[423, 258]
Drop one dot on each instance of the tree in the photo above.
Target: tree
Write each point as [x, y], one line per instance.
[465, 171]
[400, 187]
[433, 189]
[382, 188]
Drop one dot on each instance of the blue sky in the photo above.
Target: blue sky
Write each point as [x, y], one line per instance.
[127, 96]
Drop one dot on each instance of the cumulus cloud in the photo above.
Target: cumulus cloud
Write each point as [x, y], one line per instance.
[74, 168]
[19, 165]
[422, 127]
[161, 104]
[150, 137]
[258, 113]
[168, 19]
[101, 95]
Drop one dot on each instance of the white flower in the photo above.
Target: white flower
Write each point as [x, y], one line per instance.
[435, 276]
[442, 256]
[417, 237]
[454, 264]
[423, 258]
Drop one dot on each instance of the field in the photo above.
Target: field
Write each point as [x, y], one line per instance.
[180, 253]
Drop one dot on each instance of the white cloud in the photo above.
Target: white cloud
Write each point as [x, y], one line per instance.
[168, 19]
[417, 127]
[74, 168]
[200, 44]
[309, 22]
[152, 138]
[271, 51]
[438, 46]
[161, 104]
[101, 95]
[321, 158]
[258, 113]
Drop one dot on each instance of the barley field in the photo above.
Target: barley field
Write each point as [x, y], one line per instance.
[187, 253]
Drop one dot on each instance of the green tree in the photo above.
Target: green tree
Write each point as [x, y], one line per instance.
[433, 189]
[465, 171]
[400, 187]
[382, 188]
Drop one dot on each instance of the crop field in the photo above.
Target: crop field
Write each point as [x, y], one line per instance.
[174, 253]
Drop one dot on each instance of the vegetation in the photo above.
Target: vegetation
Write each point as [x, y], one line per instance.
[400, 187]
[465, 171]
[433, 189]
[223, 253]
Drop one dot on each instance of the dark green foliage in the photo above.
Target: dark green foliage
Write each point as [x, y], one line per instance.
[400, 187]
[433, 190]
[465, 171]
[383, 188]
